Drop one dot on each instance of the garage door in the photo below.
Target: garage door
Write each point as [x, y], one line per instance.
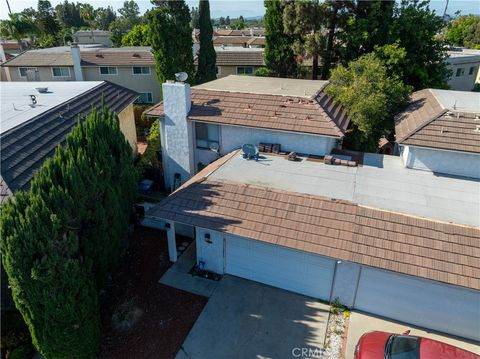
[435, 306]
[289, 269]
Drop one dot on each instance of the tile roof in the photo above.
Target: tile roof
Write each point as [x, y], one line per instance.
[318, 116]
[334, 228]
[117, 58]
[40, 59]
[24, 148]
[427, 123]
[236, 40]
[238, 58]
[256, 41]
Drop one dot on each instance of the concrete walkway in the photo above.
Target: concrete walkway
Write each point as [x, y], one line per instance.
[177, 275]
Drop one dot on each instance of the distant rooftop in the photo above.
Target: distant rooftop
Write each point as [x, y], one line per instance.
[15, 99]
[266, 85]
[382, 182]
[462, 101]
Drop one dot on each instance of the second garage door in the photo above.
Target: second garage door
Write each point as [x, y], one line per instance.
[441, 307]
[281, 267]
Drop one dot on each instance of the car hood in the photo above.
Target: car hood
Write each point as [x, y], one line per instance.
[430, 348]
[372, 345]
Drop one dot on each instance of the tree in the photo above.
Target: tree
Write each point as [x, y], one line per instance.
[238, 24]
[123, 24]
[227, 20]
[167, 22]
[87, 12]
[69, 15]
[207, 56]
[60, 239]
[194, 13]
[464, 31]
[130, 12]
[221, 21]
[370, 97]
[17, 27]
[139, 36]
[415, 27]
[279, 55]
[45, 19]
[104, 17]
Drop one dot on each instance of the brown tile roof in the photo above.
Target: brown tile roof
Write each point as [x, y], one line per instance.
[236, 40]
[256, 41]
[34, 58]
[318, 116]
[117, 58]
[238, 58]
[427, 123]
[329, 227]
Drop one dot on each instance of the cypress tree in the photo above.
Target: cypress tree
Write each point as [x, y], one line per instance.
[207, 56]
[171, 39]
[60, 239]
[279, 55]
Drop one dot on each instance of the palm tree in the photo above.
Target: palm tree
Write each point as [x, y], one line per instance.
[17, 27]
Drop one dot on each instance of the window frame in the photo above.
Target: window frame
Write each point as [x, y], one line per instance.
[207, 140]
[108, 67]
[460, 72]
[141, 73]
[61, 67]
[148, 93]
[471, 70]
[244, 73]
[27, 68]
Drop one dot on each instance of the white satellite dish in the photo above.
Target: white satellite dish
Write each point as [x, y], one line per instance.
[181, 76]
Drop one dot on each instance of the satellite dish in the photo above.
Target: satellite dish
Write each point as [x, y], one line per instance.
[181, 76]
[250, 151]
[214, 147]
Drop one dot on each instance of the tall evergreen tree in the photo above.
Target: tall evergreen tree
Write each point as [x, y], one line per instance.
[171, 21]
[279, 55]
[207, 56]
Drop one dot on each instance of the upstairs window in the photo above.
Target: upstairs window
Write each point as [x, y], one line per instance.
[23, 70]
[141, 70]
[472, 70]
[245, 70]
[460, 72]
[144, 97]
[107, 70]
[60, 72]
[207, 135]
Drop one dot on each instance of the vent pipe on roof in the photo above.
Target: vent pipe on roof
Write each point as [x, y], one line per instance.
[77, 69]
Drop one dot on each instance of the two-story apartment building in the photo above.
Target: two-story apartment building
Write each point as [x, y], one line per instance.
[464, 65]
[131, 67]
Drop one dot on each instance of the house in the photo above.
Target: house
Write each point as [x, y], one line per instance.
[238, 61]
[253, 31]
[93, 37]
[130, 67]
[236, 41]
[464, 66]
[201, 124]
[440, 132]
[34, 122]
[256, 42]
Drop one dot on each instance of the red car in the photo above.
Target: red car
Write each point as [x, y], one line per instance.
[382, 345]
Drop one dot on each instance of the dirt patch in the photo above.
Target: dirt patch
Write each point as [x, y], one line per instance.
[167, 314]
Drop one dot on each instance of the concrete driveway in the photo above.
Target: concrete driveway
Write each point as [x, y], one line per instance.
[361, 323]
[245, 319]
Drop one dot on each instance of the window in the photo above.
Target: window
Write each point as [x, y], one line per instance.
[60, 72]
[141, 70]
[207, 135]
[402, 347]
[472, 70]
[144, 97]
[108, 70]
[245, 70]
[460, 72]
[23, 70]
[218, 70]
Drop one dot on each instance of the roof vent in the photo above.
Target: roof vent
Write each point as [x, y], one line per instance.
[42, 89]
[477, 129]
[136, 55]
[99, 55]
[250, 152]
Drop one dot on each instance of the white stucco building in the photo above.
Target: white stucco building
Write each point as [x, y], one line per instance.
[464, 65]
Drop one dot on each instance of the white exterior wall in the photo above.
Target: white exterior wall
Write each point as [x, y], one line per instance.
[210, 251]
[345, 282]
[233, 137]
[177, 133]
[447, 162]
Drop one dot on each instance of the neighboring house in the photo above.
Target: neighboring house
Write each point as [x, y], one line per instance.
[34, 124]
[255, 31]
[201, 124]
[131, 67]
[235, 41]
[93, 37]
[256, 42]
[465, 69]
[237, 61]
[440, 132]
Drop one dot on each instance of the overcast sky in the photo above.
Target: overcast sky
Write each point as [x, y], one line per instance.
[233, 8]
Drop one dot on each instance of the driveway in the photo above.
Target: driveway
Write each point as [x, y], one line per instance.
[361, 323]
[245, 319]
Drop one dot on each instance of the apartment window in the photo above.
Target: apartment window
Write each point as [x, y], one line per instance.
[108, 70]
[472, 70]
[245, 70]
[23, 70]
[141, 70]
[460, 72]
[145, 97]
[207, 135]
[60, 72]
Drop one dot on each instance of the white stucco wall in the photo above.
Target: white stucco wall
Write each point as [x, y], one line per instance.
[233, 137]
[447, 162]
[346, 278]
[210, 251]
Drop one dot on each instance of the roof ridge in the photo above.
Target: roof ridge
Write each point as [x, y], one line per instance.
[329, 117]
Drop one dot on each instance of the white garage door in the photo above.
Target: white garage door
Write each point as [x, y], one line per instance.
[420, 302]
[289, 269]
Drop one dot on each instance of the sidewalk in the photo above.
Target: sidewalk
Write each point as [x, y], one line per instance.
[178, 277]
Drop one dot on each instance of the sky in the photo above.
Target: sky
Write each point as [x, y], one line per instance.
[233, 8]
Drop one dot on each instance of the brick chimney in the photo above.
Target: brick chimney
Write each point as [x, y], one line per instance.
[177, 134]
[77, 68]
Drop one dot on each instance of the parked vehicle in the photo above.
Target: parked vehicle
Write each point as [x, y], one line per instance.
[382, 345]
